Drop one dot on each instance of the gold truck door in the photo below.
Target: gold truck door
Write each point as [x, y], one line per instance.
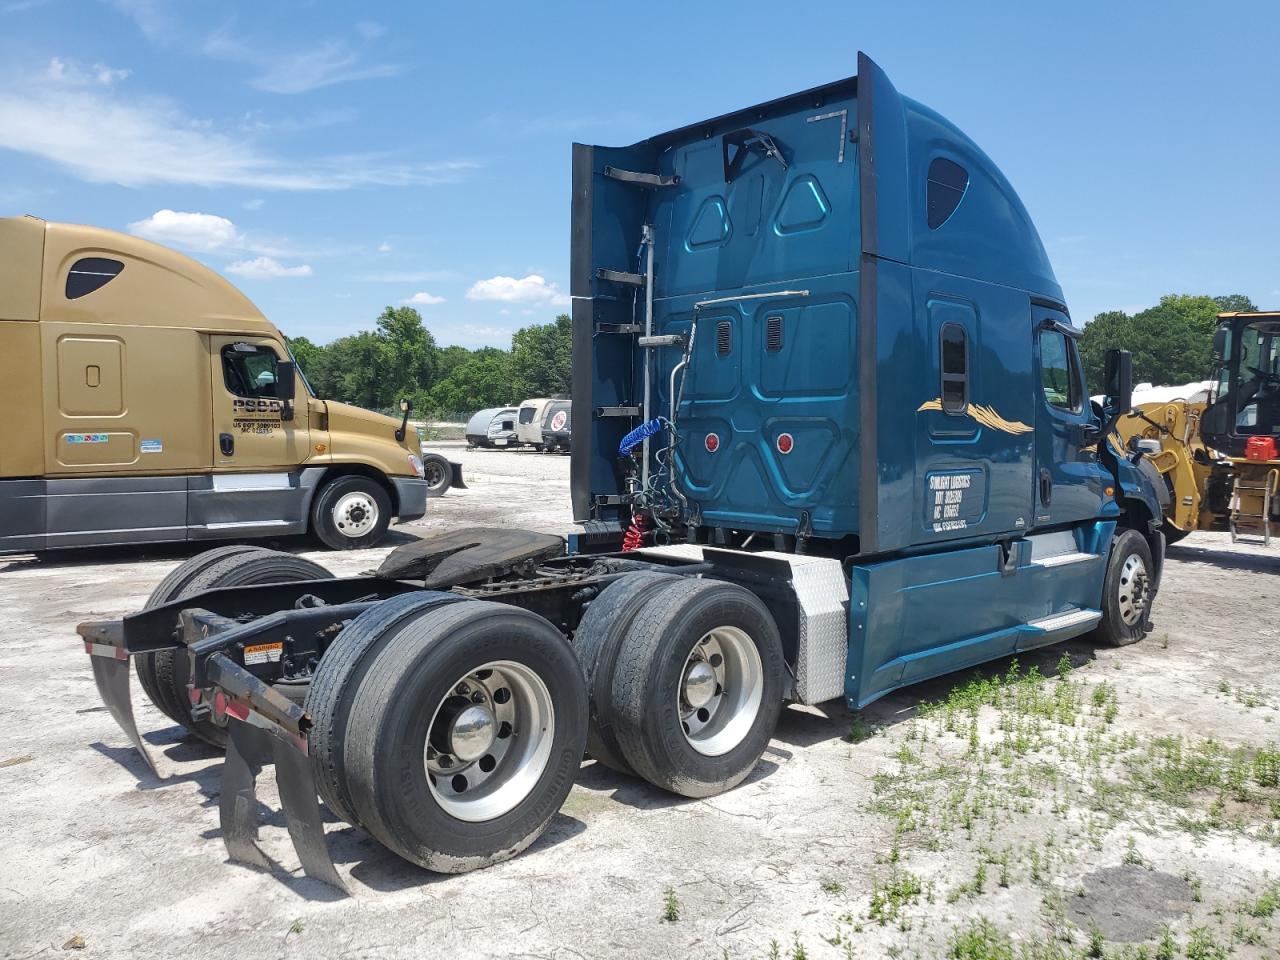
[251, 429]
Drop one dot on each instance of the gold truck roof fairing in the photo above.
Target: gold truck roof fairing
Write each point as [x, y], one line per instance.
[157, 287]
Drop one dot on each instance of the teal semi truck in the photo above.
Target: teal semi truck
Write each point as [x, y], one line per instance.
[833, 437]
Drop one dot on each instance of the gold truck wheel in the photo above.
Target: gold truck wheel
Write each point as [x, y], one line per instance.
[351, 513]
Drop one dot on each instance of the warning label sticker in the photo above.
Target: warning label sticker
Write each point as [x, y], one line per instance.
[262, 653]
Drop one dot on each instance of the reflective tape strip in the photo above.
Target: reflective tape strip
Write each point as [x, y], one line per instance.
[105, 650]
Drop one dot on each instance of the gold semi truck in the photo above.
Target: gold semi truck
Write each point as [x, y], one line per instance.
[143, 398]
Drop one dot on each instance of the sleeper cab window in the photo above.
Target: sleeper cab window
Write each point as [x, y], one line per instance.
[944, 189]
[955, 368]
[249, 370]
[89, 274]
[1058, 366]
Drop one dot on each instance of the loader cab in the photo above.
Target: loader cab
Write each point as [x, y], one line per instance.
[1246, 398]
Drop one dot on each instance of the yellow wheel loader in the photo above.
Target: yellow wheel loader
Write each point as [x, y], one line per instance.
[1217, 451]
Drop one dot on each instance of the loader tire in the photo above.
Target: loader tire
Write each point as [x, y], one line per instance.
[438, 473]
[498, 696]
[597, 641]
[698, 687]
[1127, 591]
[232, 568]
[334, 684]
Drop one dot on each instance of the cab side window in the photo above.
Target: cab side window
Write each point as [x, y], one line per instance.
[955, 368]
[1059, 371]
[248, 370]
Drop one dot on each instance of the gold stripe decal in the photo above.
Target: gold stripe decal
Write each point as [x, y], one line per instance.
[986, 416]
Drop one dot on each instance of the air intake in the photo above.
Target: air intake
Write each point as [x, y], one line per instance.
[773, 334]
[724, 338]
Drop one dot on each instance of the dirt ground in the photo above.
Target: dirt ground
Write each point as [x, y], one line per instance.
[1116, 802]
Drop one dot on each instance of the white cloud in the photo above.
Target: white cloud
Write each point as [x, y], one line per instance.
[191, 231]
[424, 299]
[384, 248]
[68, 72]
[265, 268]
[320, 64]
[530, 289]
[84, 127]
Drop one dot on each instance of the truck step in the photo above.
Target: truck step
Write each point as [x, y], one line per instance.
[1062, 559]
[1064, 621]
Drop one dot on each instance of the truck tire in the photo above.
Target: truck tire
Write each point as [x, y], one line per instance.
[697, 689]
[334, 684]
[597, 641]
[438, 473]
[351, 513]
[465, 735]
[224, 567]
[1126, 591]
[171, 588]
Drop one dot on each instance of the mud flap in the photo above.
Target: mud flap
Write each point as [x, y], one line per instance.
[111, 675]
[265, 727]
[299, 798]
[455, 476]
[247, 751]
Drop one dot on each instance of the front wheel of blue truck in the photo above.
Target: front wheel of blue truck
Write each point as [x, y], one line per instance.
[697, 689]
[1127, 590]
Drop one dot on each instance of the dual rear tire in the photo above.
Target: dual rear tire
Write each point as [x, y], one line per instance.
[685, 677]
[164, 675]
[451, 730]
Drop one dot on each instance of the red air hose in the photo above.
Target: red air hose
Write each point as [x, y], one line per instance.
[634, 537]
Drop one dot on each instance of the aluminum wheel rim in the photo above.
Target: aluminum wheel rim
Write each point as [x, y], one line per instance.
[355, 514]
[716, 723]
[1134, 587]
[434, 474]
[475, 781]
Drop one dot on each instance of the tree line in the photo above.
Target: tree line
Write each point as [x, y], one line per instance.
[1171, 343]
[400, 359]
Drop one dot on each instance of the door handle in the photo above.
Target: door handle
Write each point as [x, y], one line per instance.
[1046, 487]
[227, 444]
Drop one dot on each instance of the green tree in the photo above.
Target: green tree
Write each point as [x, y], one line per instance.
[408, 357]
[481, 380]
[542, 359]
[1170, 342]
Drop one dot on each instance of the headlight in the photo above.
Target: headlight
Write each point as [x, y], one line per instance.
[416, 463]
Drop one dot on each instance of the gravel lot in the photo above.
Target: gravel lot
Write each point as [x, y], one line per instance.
[1132, 794]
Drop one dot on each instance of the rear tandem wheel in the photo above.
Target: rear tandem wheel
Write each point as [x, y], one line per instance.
[164, 675]
[456, 732]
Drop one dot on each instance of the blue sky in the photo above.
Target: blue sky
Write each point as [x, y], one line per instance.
[335, 158]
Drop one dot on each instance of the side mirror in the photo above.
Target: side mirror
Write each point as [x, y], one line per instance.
[286, 380]
[406, 408]
[286, 387]
[1119, 381]
[1219, 344]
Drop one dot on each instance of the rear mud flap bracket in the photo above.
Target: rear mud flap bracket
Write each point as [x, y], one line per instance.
[255, 739]
[104, 642]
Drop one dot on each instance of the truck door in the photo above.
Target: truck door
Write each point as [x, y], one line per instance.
[249, 430]
[1068, 478]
